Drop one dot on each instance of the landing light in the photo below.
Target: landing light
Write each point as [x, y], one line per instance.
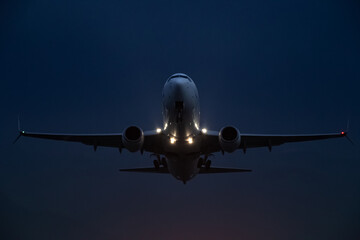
[172, 140]
[190, 140]
[204, 130]
[158, 130]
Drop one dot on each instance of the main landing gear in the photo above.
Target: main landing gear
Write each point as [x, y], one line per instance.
[159, 161]
[204, 162]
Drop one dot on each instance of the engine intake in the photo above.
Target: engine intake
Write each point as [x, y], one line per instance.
[229, 138]
[133, 138]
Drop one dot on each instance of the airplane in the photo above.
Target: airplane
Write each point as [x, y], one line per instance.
[181, 147]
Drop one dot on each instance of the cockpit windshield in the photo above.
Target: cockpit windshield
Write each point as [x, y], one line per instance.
[180, 75]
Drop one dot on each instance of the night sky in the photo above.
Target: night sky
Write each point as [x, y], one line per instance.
[99, 66]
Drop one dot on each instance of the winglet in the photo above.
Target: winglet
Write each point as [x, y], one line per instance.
[19, 130]
[19, 123]
[346, 132]
[17, 138]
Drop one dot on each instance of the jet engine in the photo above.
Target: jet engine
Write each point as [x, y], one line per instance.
[133, 138]
[229, 138]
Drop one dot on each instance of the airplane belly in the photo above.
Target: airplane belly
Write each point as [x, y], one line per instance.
[183, 167]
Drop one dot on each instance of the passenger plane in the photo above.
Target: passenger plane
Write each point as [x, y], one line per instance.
[181, 147]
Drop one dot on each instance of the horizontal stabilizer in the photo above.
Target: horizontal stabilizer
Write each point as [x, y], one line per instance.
[146, 170]
[223, 170]
[202, 170]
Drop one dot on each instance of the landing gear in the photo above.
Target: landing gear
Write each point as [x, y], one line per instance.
[207, 164]
[159, 161]
[163, 162]
[200, 162]
[156, 164]
[204, 162]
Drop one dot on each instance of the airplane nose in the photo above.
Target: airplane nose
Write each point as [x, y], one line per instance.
[179, 86]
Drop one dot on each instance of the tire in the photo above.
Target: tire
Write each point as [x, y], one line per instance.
[156, 164]
[163, 162]
[200, 162]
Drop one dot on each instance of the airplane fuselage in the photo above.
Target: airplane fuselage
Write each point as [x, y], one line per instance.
[181, 116]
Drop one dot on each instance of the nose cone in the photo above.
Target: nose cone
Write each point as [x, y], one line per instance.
[178, 86]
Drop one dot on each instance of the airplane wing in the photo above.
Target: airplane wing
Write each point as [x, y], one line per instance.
[211, 140]
[202, 170]
[106, 140]
[153, 142]
[151, 139]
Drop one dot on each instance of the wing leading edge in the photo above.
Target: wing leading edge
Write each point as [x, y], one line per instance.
[211, 140]
[152, 140]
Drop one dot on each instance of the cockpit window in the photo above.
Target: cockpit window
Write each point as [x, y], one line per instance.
[180, 76]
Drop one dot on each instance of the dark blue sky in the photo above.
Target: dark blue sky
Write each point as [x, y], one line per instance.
[99, 66]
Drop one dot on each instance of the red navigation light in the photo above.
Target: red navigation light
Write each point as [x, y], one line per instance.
[342, 133]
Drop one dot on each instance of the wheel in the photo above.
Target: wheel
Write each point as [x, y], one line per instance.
[156, 164]
[163, 162]
[208, 164]
[200, 162]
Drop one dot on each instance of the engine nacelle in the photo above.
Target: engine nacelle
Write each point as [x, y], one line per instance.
[229, 138]
[133, 138]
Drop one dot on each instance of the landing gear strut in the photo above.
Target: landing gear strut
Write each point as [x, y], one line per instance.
[200, 162]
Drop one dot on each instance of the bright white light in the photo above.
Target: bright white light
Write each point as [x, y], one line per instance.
[158, 130]
[190, 140]
[172, 140]
[197, 126]
[204, 130]
[166, 125]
